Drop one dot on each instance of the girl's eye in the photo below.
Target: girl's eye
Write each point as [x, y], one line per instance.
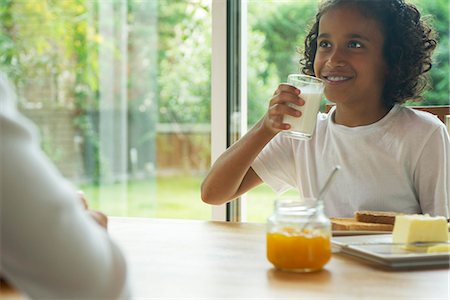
[324, 44]
[354, 44]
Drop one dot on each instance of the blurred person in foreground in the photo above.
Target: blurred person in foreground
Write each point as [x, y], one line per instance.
[52, 246]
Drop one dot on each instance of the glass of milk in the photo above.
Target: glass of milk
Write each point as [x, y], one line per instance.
[311, 90]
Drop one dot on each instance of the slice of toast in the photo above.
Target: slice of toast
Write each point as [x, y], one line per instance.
[352, 224]
[379, 217]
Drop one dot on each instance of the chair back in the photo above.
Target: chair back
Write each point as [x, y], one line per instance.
[439, 111]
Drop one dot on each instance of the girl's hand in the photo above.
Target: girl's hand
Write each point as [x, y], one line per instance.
[278, 107]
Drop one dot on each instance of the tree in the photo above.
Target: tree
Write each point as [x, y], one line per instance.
[437, 12]
[184, 77]
[49, 49]
[276, 33]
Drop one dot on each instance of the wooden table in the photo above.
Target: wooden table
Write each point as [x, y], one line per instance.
[212, 260]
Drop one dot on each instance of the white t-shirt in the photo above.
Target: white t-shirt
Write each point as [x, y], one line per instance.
[400, 163]
[50, 248]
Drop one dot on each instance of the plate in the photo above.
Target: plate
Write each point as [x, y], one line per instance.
[356, 232]
[381, 251]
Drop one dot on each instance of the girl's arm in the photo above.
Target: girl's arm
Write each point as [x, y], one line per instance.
[232, 175]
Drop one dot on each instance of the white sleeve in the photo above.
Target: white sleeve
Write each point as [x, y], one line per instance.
[275, 164]
[50, 248]
[432, 174]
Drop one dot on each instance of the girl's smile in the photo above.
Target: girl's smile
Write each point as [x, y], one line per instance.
[336, 78]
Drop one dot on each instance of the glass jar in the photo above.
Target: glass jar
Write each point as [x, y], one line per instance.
[298, 236]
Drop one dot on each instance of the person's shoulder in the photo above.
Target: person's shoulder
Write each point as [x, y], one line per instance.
[418, 119]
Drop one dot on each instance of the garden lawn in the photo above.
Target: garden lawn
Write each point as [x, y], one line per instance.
[169, 197]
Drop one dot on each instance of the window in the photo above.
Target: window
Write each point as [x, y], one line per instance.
[120, 91]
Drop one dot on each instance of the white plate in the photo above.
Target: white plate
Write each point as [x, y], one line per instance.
[381, 251]
[357, 232]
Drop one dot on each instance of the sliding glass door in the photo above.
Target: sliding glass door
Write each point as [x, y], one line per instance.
[120, 91]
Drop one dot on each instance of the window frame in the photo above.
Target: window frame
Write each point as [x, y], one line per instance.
[229, 90]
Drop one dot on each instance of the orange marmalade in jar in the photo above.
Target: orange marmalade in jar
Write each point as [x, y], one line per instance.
[298, 236]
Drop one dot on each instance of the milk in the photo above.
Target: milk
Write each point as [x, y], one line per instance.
[303, 127]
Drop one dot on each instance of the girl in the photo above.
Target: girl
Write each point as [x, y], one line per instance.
[372, 56]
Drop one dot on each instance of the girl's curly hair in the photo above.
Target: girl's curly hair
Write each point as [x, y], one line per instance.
[408, 44]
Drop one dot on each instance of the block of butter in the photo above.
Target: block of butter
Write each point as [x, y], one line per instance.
[419, 228]
[440, 248]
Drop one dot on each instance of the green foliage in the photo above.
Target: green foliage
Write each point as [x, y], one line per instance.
[52, 45]
[262, 77]
[7, 44]
[284, 29]
[38, 40]
[184, 61]
[438, 14]
[276, 34]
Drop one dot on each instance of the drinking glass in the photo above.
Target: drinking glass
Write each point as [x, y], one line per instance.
[311, 90]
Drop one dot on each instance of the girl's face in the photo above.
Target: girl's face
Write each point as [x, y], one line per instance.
[349, 57]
